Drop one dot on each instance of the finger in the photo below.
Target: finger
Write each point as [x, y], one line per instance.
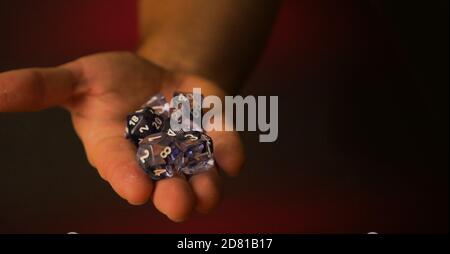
[228, 151]
[114, 158]
[36, 88]
[174, 198]
[207, 188]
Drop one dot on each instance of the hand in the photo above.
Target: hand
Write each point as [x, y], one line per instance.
[99, 91]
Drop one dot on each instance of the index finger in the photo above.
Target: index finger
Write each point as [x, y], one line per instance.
[35, 88]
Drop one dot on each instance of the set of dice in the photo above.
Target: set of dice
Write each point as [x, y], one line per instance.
[163, 151]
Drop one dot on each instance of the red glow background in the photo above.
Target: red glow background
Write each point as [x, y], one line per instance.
[366, 150]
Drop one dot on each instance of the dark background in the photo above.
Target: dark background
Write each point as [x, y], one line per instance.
[363, 135]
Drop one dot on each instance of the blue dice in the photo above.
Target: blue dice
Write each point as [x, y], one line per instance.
[142, 123]
[162, 151]
[159, 105]
[197, 149]
[193, 117]
[159, 156]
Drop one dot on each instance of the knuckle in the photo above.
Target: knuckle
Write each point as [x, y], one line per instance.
[34, 82]
[4, 98]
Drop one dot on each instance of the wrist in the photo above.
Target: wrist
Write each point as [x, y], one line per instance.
[173, 56]
[177, 57]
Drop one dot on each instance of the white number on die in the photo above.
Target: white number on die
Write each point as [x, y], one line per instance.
[190, 137]
[134, 120]
[150, 139]
[157, 123]
[171, 133]
[145, 156]
[143, 128]
[158, 172]
[166, 152]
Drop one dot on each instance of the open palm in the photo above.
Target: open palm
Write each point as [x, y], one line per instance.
[99, 91]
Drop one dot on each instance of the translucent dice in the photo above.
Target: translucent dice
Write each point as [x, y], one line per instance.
[159, 155]
[142, 123]
[197, 150]
[162, 151]
[159, 104]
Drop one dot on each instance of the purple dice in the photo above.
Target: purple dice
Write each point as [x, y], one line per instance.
[163, 151]
[197, 149]
[159, 155]
[142, 123]
[194, 115]
[159, 105]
